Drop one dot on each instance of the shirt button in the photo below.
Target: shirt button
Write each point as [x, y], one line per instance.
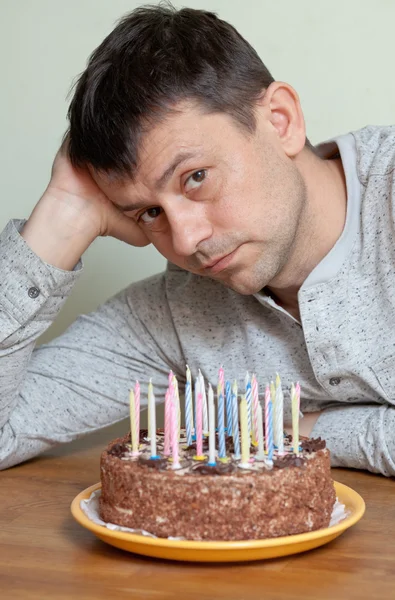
[334, 380]
[33, 292]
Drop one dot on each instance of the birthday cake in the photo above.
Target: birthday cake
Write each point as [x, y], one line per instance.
[229, 500]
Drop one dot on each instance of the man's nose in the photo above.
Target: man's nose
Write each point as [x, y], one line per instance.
[189, 227]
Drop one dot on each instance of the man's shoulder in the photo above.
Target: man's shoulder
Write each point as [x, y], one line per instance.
[375, 147]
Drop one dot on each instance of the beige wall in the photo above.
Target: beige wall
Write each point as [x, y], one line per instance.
[338, 55]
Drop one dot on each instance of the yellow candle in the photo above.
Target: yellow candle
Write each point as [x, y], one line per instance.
[278, 381]
[133, 424]
[253, 440]
[245, 436]
[295, 421]
[273, 394]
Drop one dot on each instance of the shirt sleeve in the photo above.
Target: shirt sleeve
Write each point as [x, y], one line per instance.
[31, 291]
[360, 437]
[80, 381]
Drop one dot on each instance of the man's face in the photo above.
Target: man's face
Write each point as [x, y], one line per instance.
[215, 200]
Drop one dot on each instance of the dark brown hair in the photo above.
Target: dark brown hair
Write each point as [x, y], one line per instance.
[155, 57]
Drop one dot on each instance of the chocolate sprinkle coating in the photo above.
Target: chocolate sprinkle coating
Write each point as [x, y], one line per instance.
[118, 450]
[229, 445]
[143, 434]
[288, 460]
[218, 469]
[313, 445]
[192, 448]
[160, 464]
[221, 502]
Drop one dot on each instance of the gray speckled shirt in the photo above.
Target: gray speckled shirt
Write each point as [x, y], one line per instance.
[342, 351]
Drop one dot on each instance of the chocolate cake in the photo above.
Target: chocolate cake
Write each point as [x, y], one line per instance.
[294, 494]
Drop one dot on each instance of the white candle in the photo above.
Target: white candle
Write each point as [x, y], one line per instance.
[204, 401]
[196, 392]
[211, 427]
[178, 406]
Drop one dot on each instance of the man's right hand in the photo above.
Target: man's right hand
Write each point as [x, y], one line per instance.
[71, 213]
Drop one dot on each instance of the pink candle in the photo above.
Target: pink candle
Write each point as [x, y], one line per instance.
[174, 432]
[199, 425]
[166, 450]
[137, 400]
[297, 391]
[221, 381]
[267, 402]
[255, 406]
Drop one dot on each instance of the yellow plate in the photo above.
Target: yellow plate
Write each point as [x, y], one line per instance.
[223, 551]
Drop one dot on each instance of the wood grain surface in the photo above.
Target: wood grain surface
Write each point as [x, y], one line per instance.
[45, 554]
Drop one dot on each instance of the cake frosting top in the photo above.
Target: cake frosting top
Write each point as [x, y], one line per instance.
[189, 464]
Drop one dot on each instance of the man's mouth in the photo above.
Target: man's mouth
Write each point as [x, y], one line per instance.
[219, 264]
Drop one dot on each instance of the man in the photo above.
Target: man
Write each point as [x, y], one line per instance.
[280, 255]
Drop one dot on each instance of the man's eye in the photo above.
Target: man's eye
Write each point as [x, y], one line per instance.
[150, 215]
[195, 180]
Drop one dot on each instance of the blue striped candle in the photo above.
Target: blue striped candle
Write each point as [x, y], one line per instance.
[235, 421]
[211, 427]
[221, 427]
[228, 393]
[188, 408]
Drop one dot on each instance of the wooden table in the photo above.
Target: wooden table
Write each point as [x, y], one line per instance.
[44, 553]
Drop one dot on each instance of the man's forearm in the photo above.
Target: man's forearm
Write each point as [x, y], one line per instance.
[56, 231]
[359, 437]
[32, 294]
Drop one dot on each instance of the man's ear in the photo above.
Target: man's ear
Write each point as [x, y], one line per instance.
[282, 110]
